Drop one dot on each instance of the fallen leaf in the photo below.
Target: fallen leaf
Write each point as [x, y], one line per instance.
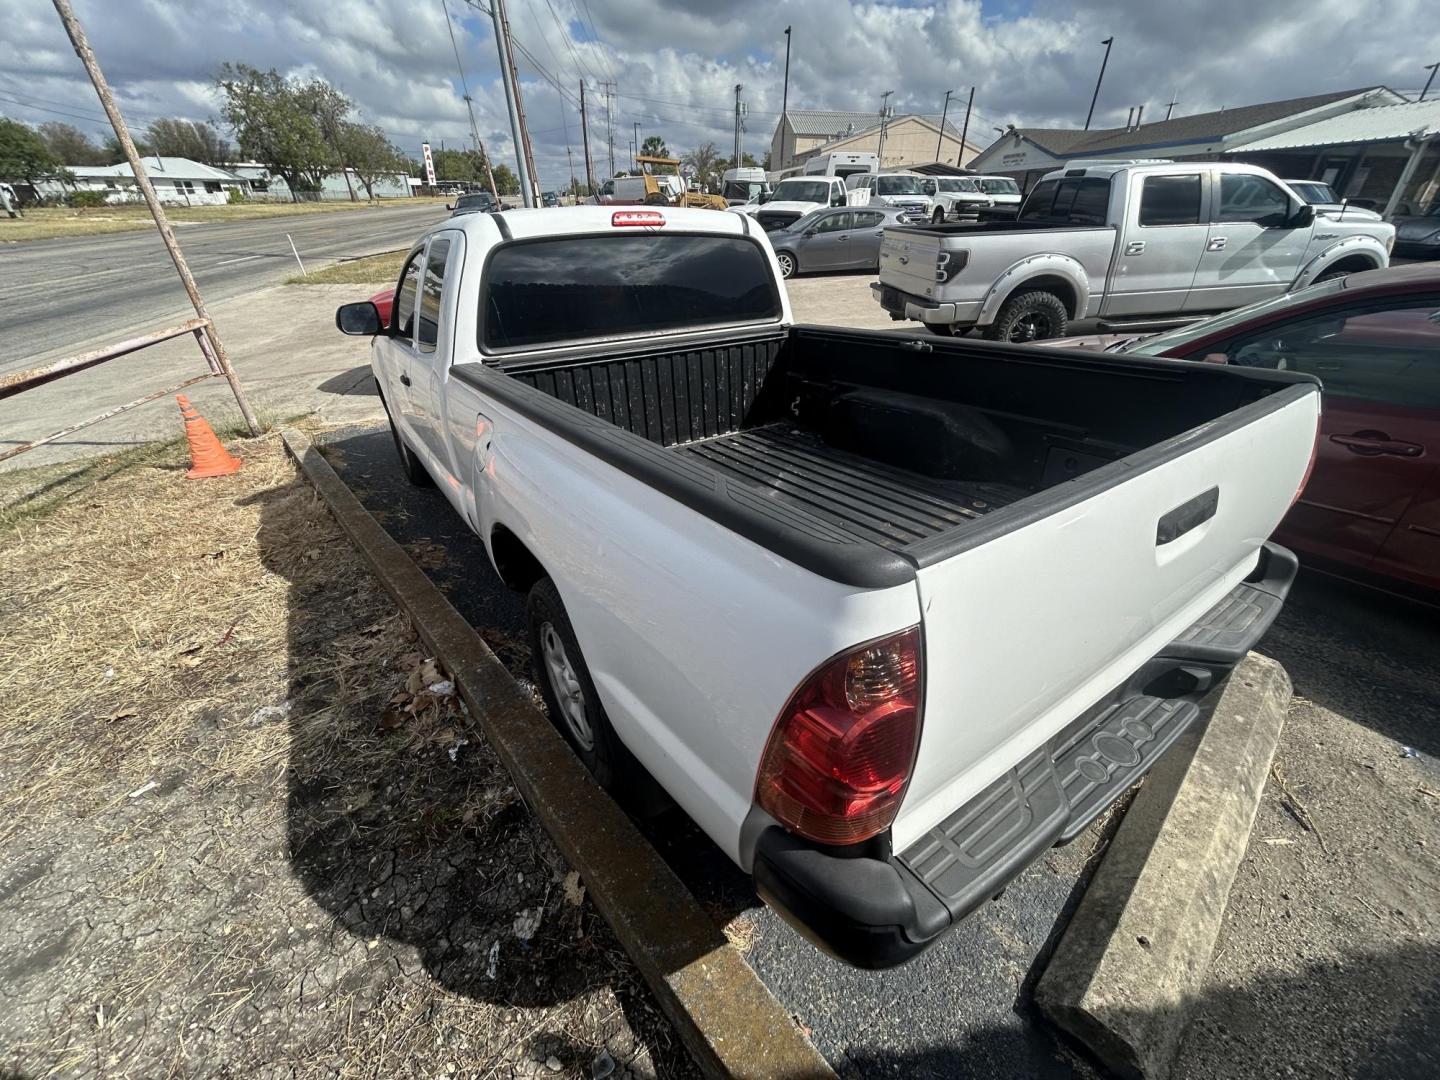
[392, 718]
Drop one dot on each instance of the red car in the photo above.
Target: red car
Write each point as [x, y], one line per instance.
[1371, 510]
[382, 301]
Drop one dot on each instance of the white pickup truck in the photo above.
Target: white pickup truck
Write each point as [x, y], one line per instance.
[886, 617]
[1137, 245]
[792, 199]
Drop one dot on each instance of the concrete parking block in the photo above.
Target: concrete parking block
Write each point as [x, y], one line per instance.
[730, 1022]
[1135, 954]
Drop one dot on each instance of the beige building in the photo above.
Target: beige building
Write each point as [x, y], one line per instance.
[909, 139]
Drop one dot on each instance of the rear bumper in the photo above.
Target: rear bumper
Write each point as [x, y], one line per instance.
[875, 909]
[902, 305]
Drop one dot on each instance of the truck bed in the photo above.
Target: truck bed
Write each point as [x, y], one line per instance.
[870, 500]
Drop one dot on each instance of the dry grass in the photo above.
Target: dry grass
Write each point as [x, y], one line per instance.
[374, 269]
[47, 223]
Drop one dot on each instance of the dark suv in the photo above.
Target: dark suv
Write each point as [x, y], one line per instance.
[477, 202]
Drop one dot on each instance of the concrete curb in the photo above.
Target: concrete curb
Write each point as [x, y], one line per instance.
[1136, 952]
[728, 1019]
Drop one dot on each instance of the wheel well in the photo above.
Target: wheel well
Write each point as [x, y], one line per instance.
[518, 568]
[1353, 264]
[1051, 284]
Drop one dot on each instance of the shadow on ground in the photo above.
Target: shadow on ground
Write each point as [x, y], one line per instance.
[358, 380]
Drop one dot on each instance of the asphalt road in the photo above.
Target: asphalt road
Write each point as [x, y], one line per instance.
[57, 296]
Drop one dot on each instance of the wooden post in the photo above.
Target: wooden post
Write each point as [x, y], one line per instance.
[107, 99]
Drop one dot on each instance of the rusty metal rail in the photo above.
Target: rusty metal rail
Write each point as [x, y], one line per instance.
[19, 381]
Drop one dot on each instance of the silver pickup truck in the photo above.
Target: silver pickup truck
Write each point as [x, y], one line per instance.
[1136, 245]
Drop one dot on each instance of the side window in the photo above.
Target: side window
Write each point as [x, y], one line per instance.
[405, 298]
[1244, 197]
[430, 289]
[1170, 200]
[837, 194]
[1037, 206]
[1387, 351]
[834, 223]
[867, 219]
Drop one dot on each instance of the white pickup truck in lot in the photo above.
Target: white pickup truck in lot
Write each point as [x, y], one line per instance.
[792, 199]
[886, 617]
[1136, 245]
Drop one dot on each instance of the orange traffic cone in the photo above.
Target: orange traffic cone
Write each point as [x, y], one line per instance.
[207, 456]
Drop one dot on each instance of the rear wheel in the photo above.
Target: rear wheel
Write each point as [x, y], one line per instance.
[787, 263]
[1029, 316]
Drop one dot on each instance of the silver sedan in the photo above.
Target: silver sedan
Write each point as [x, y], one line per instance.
[838, 238]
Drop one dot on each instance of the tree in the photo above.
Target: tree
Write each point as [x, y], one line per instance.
[23, 153]
[188, 139]
[747, 161]
[706, 159]
[115, 153]
[506, 182]
[466, 166]
[654, 146]
[373, 157]
[71, 146]
[330, 108]
[275, 121]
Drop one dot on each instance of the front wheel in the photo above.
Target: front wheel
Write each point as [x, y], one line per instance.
[410, 465]
[787, 264]
[1029, 316]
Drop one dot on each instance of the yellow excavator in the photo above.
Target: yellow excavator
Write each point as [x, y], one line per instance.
[670, 189]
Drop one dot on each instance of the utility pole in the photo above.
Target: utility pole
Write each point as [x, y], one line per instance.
[609, 123]
[585, 133]
[965, 131]
[469, 104]
[523, 158]
[570, 157]
[1170, 105]
[1430, 68]
[944, 112]
[1107, 43]
[636, 124]
[736, 157]
[210, 343]
[784, 103]
[884, 108]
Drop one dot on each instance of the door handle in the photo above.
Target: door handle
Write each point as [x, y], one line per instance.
[404, 380]
[1217, 243]
[1135, 247]
[1374, 443]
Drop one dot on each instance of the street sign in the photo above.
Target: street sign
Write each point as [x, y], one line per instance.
[688, 171]
[429, 164]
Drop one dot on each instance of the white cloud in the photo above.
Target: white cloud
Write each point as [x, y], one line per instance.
[675, 62]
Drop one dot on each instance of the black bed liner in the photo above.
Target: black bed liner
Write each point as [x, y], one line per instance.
[870, 500]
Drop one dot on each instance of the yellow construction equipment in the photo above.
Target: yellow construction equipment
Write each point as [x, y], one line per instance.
[676, 194]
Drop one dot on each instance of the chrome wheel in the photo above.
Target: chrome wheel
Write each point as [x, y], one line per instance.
[787, 263]
[565, 685]
[1033, 327]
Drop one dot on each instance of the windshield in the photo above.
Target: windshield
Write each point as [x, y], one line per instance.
[572, 288]
[1313, 191]
[467, 201]
[801, 191]
[743, 189]
[897, 185]
[958, 183]
[1179, 338]
[999, 185]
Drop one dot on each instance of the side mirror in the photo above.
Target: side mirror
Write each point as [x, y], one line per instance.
[360, 319]
[449, 206]
[811, 232]
[764, 197]
[1302, 217]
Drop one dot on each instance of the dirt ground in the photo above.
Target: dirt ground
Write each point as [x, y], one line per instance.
[246, 828]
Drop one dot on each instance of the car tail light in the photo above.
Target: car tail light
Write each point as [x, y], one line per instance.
[637, 217]
[843, 748]
[1314, 452]
[949, 263]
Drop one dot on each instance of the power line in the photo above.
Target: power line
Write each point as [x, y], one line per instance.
[570, 45]
[595, 34]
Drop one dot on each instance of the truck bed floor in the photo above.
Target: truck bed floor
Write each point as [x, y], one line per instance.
[871, 500]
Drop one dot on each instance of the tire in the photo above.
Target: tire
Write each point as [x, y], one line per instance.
[1029, 316]
[575, 708]
[410, 465]
[938, 217]
[788, 269]
[1332, 275]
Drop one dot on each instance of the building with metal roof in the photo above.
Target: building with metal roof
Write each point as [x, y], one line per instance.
[909, 139]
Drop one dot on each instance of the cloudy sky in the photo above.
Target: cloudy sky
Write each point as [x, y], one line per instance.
[674, 63]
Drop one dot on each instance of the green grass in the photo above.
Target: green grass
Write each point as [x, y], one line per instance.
[384, 267]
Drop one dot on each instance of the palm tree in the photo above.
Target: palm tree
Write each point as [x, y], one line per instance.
[654, 146]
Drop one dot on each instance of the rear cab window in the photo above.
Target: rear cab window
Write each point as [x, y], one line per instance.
[584, 288]
[1068, 201]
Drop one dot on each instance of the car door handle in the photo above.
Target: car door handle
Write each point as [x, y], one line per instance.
[1135, 247]
[841, 237]
[404, 380]
[1372, 443]
[1217, 243]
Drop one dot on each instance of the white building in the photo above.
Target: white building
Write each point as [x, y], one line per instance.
[177, 182]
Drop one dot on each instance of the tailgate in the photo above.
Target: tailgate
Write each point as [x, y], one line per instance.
[1030, 627]
[908, 260]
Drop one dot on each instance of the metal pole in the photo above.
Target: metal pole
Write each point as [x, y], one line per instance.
[585, 133]
[570, 157]
[122, 133]
[738, 88]
[884, 103]
[784, 104]
[1406, 174]
[965, 131]
[637, 140]
[944, 112]
[1430, 68]
[610, 124]
[1170, 105]
[512, 94]
[1096, 96]
[1139, 113]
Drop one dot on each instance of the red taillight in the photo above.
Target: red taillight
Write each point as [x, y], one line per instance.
[637, 217]
[842, 750]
